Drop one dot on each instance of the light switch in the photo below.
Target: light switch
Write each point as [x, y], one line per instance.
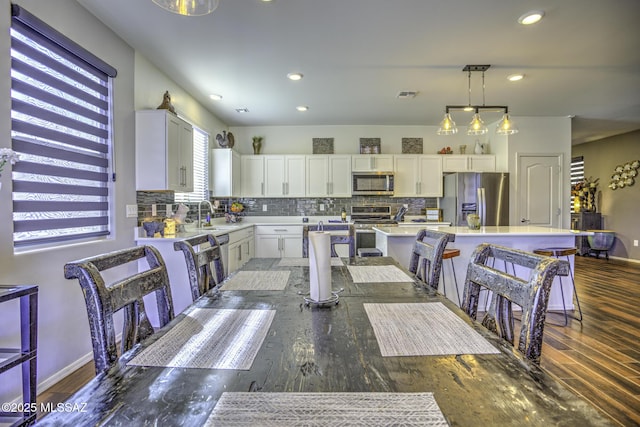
[322, 206]
[154, 210]
[264, 208]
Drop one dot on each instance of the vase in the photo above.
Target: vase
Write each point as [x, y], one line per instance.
[473, 221]
[257, 145]
[479, 148]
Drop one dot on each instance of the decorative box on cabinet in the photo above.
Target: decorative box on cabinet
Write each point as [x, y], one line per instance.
[164, 152]
[26, 355]
[585, 221]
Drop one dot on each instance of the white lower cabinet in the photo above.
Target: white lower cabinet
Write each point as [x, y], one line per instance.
[241, 248]
[278, 241]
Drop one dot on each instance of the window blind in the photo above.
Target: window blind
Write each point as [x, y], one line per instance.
[200, 169]
[577, 174]
[61, 128]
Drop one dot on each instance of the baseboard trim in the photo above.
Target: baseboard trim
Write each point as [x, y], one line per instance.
[617, 258]
[64, 372]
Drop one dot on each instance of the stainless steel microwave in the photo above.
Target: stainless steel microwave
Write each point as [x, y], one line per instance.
[372, 183]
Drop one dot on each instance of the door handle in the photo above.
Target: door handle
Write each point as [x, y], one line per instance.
[524, 220]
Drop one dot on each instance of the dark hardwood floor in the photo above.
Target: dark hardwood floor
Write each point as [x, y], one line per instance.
[598, 359]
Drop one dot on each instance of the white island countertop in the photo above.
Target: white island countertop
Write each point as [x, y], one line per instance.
[514, 230]
[398, 242]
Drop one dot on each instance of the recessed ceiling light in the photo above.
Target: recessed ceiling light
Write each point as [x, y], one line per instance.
[302, 108]
[242, 110]
[294, 76]
[215, 97]
[531, 17]
[515, 77]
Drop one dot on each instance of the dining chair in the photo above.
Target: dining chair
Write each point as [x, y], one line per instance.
[103, 300]
[336, 239]
[530, 293]
[426, 256]
[200, 253]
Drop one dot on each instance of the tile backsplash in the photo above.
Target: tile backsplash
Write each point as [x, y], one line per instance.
[281, 206]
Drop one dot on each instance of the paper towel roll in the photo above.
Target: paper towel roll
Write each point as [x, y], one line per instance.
[320, 265]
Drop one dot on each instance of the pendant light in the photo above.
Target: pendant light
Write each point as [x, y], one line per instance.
[476, 126]
[506, 126]
[188, 7]
[447, 126]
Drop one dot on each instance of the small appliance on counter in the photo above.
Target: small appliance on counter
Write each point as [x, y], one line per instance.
[399, 216]
[433, 215]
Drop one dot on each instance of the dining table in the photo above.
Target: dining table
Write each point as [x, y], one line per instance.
[383, 350]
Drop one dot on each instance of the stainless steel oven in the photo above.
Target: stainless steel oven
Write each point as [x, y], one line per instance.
[372, 183]
[364, 218]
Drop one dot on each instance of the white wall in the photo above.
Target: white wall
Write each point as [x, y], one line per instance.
[64, 341]
[150, 85]
[540, 135]
[298, 139]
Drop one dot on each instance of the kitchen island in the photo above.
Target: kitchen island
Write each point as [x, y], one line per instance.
[397, 242]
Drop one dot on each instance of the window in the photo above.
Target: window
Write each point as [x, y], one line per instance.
[61, 128]
[200, 169]
[577, 175]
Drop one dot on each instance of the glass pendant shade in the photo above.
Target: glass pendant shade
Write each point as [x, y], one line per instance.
[447, 126]
[188, 7]
[506, 126]
[477, 126]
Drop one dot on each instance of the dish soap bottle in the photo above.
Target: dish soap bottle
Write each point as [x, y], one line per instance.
[344, 215]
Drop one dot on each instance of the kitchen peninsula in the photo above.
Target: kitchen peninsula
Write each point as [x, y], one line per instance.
[397, 242]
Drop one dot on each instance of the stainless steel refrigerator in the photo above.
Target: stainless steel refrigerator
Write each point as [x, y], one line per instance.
[486, 194]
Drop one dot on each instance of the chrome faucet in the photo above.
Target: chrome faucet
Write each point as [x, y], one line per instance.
[200, 212]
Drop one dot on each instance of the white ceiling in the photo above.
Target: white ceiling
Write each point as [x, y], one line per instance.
[581, 60]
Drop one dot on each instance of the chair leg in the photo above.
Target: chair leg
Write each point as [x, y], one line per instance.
[575, 294]
[455, 281]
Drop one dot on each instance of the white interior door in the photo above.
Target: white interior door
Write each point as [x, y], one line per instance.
[539, 189]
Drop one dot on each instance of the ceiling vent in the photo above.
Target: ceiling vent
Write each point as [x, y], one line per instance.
[242, 110]
[406, 94]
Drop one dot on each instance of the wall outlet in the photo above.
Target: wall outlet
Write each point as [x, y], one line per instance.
[635, 243]
[321, 206]
[168, 209]
[154, 210]
[264, 208]
[132, 211]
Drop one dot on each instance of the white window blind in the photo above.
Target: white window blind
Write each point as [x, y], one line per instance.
[577, 174]
[200, 169]
[61, 128]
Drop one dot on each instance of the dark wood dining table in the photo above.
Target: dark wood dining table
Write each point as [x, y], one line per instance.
[330, 348]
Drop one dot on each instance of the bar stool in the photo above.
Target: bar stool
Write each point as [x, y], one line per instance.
[451, 254]
[557, 253]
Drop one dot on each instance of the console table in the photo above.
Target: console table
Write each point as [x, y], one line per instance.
[26, 355]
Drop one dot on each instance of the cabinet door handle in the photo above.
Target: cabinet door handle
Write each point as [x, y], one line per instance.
[328, 188]
[373, 163]
[262, 188]
[287, 188]
[284, 191]
[281, 230]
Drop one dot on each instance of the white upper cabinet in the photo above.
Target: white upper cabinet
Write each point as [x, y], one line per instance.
[273, 176]
[328, 175]
[164, 152]
[468, 163]
[284, 176]
[224, 173]
[372, 162]
[252, 171]
[417, 175]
